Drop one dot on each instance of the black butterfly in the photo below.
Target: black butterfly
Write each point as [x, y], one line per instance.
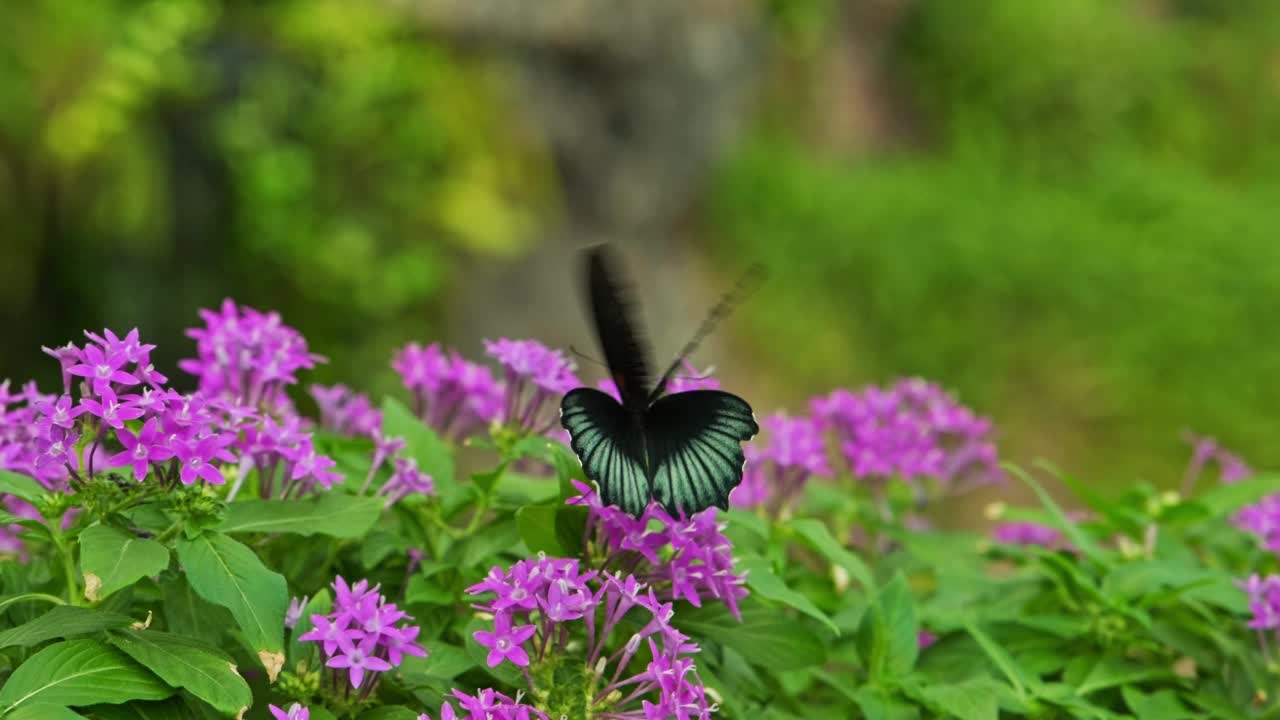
[683, 450]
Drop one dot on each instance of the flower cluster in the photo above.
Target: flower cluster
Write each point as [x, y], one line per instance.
[1264, 601]
[912, 429]
[360, 638]
[1026, 533]
[680, 559]
[552, 619]
[1206, 451]
[487, 704]
[248, 356]
[345, 412]
[1263, 520]
[452, 395]
[778, 467]
[350, 413]
[535, 376]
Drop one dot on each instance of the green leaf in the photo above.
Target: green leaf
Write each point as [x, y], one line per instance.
[112, 560]
[1001, 659]
[421, 442]
[11, 483]
[428, 592]
[1069, 529]
[816, 534]
[1223, 500]
[973, 699]
[888, 640]
[443, 662]
[1160, 705]
[378, 546]
[390, 712]
[172, 709]
[335, 514]
[79, 672]
[226, 573]
[764, 637]
[1111, 671]
[63, 621]
[319, 604]
[43, 712]
[761, 579]
[200, 669]
[556, 530]
[876, 704]
[186, 613]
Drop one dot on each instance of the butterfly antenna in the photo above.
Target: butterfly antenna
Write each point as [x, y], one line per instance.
[747, 284]
[588, 358]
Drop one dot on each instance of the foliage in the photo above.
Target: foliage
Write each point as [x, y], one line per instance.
[1070, 221]
[324, 155]
[509, 591]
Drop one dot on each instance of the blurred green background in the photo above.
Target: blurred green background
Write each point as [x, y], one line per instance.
[1065, 211]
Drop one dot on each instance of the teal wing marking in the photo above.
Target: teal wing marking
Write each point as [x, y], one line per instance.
[694, 442]
[610, 445]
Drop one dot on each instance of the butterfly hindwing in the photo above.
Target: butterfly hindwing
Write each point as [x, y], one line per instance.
[694, 447]
[610, 444]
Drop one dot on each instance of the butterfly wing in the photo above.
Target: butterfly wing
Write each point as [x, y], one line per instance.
[610, 443]
[694, 446]
[625, 349]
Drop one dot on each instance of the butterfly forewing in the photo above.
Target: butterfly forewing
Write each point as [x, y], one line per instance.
[695, 456]
[610, 443]
[625, 350]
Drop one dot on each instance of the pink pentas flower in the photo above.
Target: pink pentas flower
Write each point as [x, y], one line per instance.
[911, 429]
[295, 712]
[505, 642]
[102, 369]
[141, 450]
[688, 559]
[110, 409]
[356, 656]
[1025, 533]
[486, 704]
[535, 377]
[631, 670]
[247, 354]
[195, 457]
[364, 635]
[454, 396]
[780, 465]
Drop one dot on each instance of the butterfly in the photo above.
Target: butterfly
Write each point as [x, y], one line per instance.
[683, 450]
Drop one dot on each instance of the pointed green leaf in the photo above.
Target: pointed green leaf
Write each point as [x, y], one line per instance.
[334, 514]
[79, 672]
[761, 579]
[186, 613]
[973, 699]
[229, 574]
[43, 712]
[112, 560]
[888, 639]
[421, 442]
[816, 534]
[63, 621]
[200, 669]
[764, 636]
[11, 483]
[172, 709]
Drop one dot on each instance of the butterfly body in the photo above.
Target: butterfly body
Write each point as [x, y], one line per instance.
[683, 450]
